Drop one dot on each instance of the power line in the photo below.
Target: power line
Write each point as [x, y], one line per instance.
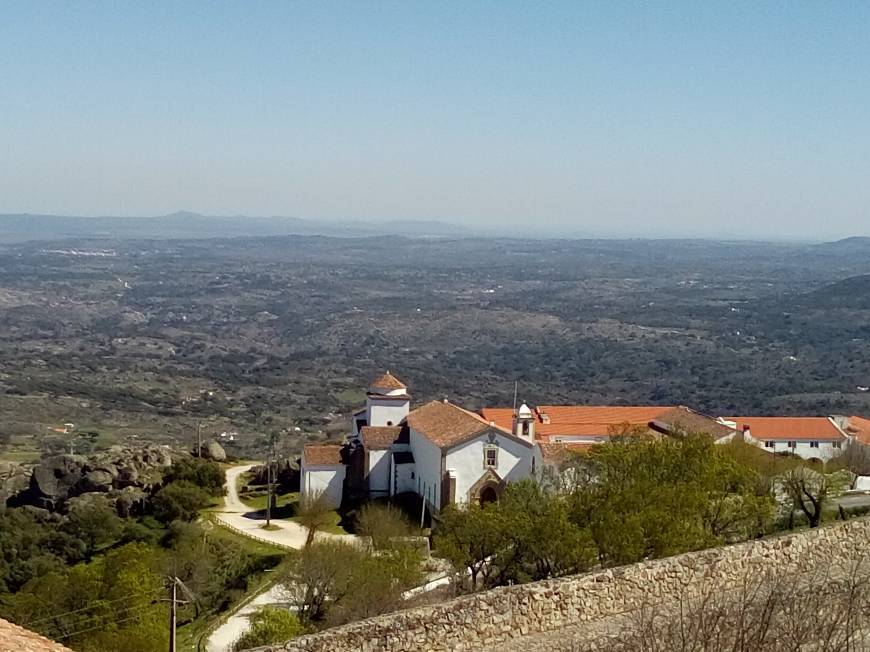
[92, 605]
[110, 618]
[91, 629]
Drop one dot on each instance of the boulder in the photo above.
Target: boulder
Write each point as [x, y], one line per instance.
[98, 480]
[130, 501]
[211, 450]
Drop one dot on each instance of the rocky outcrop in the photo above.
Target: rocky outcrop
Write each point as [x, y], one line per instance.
[59, 478]
[284, 473]
[211, 450]
[14, 478]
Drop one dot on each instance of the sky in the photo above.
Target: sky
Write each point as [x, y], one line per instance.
[699, 119]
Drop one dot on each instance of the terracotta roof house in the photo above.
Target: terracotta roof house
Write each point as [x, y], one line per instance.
[14, 638]
[808, 437]
[322, 471]
[599, 423]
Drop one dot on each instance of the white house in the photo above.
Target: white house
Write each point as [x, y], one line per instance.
[808, 437]
[322, 472]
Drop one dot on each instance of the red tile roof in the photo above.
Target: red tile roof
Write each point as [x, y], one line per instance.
[17, 639]
[558, 454]
[580, 420]
[789, 428]
[447, 425]
[380, 437]
[859, 427]
[322, 454]
[388, 381]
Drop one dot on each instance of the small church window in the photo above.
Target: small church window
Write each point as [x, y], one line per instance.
[526, 426]
[490, 457]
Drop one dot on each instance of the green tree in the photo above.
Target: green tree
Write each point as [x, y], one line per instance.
[205, 474]
[652, 497]
[339, 582]
[468, 538]
[811, 491]
[269, 626]
[95, 522]
[180, 500]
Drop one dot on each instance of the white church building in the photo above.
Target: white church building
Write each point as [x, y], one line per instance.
[440, 451]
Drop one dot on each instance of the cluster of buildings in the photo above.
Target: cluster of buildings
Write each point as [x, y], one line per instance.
[449, 455]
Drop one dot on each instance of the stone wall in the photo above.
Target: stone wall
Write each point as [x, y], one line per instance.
[486, 619]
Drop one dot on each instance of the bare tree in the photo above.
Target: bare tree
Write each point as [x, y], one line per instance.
[314, 513]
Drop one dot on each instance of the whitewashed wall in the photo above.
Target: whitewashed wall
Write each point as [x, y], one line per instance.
[379, 473]
[328, 480]
[427, 460]
[514, 462]
[382, 413]
[803, 448]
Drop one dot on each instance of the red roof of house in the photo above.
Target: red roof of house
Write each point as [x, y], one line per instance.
[859, 427]
[14, 638]
[322, 454]
[447, 425]
[789, 428]
[380, 437]
[580, 420]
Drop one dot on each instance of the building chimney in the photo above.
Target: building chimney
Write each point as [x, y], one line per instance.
[747, 433]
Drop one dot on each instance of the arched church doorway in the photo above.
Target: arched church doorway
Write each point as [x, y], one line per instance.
[488, 495]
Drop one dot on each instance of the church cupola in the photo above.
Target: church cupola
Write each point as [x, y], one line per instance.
[387, 401]
[524, 423]
[387, 385]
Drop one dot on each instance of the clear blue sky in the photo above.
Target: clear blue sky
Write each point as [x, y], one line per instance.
[636, 118]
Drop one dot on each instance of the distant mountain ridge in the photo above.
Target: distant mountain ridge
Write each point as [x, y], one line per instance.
[852, 292]
[187, 224]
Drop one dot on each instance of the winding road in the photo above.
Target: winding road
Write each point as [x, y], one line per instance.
[240, 518]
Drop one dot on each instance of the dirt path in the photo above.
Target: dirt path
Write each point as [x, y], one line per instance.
[223, 636]
[240, 518]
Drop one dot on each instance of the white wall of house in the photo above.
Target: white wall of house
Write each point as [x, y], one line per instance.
[467, 460]
[379, 473]
[328, 480]
[427, 459]
[386, 412]
[823, 450]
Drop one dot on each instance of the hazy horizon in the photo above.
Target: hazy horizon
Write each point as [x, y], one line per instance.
[739, 120]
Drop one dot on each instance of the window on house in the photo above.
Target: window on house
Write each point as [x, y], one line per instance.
[533, 465]
[526, 426]
[412, 475]
[490, 458]
[792, 444]
[837, 444]
[814, 444]
[769, 444]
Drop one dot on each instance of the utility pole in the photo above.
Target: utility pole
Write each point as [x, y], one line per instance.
[172, 613]
[269, 487]
[199, 438]
[173, 607]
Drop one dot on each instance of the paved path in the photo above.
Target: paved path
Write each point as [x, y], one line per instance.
[223, 637]
[239, 517]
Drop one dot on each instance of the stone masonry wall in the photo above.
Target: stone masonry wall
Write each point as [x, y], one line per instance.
[486, 619]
